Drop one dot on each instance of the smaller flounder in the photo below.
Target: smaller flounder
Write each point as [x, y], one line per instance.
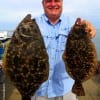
[80, 56]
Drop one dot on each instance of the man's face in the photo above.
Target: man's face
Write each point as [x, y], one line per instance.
[52, 8]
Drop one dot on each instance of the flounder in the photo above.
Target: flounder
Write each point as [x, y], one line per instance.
[80, 56]
[26, 59]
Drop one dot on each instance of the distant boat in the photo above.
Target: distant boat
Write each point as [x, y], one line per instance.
[4, 36]
[4, 40]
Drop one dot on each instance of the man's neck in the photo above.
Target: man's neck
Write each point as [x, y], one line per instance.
[53, 22]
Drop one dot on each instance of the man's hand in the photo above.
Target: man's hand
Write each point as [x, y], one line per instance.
[89, 28]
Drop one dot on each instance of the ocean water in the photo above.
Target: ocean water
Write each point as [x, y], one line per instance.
[96, 40]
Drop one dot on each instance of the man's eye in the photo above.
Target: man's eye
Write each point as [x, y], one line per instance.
[57, 0]
[48, 0]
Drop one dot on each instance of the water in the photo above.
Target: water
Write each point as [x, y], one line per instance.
[96, 40]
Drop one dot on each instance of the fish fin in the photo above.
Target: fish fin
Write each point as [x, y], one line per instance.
[26, 97]
[78, 89]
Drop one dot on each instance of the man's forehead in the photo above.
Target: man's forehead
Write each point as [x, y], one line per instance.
[51, 0]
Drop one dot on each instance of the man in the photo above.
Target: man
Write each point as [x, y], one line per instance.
[54, 27]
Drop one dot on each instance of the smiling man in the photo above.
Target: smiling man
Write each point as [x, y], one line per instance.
[55, 27]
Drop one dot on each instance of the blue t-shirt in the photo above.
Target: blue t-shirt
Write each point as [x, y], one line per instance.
[59, 82]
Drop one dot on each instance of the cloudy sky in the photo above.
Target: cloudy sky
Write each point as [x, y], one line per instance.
[13, 11]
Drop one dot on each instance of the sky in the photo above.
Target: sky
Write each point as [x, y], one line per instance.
[13, 11]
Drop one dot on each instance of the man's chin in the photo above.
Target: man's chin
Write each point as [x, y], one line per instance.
[54, 15]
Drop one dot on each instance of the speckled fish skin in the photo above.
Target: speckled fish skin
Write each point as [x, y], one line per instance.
[80, 57]
[26, 59]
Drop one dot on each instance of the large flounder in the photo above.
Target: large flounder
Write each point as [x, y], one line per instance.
[80, 56]
[26, 59]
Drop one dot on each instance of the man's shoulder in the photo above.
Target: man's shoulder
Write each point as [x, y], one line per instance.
[67, 20]
[63, 15]
[39, 17]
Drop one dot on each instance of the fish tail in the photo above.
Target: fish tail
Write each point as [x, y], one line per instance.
[26, 97]
[78, 89]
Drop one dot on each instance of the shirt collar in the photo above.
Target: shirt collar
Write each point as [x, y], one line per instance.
[46, 19]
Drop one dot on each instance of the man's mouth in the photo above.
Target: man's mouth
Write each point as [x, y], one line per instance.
[53, 7]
